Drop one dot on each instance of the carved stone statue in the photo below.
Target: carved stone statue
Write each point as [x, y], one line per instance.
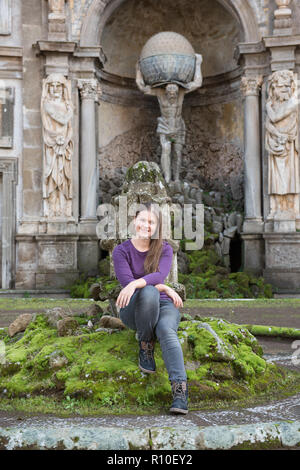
[57, 114]
[171, 127]
[168, 69]
[282, 145]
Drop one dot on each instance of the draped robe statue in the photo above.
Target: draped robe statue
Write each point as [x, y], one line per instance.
[57, 113]
[282, 145]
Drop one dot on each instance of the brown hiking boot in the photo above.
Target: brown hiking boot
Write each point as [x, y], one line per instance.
[146, 357]
[180, 398]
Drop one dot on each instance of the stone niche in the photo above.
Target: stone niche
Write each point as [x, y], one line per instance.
[213, 114]
[210, 29]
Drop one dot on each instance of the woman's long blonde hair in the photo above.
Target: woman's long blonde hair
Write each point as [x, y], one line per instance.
[152, 259]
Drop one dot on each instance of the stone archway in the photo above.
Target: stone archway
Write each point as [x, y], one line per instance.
[100, 10]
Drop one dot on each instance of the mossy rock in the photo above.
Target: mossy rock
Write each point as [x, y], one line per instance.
[208, 278]
[223, 362]
[144, 172]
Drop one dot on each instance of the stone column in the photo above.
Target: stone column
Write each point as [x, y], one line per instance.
[253, 222]
[89, 89]
[252, 162]
[88, 246]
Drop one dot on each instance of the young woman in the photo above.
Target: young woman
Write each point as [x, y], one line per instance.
[147, 305]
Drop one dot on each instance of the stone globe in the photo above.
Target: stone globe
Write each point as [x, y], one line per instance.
[167, 57]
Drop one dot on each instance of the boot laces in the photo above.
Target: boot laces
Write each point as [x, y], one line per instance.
[147, 349]
[179, 389]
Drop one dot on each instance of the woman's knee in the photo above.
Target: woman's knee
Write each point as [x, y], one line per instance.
[166, 333]
[149, 295]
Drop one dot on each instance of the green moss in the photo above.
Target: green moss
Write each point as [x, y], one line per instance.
[278, 331]
[142, 173]
[223, 362]
[81, 289]
[208, 278]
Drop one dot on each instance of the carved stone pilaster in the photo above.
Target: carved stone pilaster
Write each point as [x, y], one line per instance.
[57, 114]
[282, 147]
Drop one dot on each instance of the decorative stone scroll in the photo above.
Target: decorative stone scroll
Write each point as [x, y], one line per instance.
[57, 114]
[282, 146]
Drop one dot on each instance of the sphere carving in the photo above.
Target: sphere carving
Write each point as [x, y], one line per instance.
[167, 57]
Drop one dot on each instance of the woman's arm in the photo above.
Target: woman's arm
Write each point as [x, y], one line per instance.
[127, 292]
[122, 269]
[177, 300]
[125, 278]
[164, 267]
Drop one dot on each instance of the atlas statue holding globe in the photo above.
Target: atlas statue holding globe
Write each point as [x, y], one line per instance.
[169, 68]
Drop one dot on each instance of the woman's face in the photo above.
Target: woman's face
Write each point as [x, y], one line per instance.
[145, 224]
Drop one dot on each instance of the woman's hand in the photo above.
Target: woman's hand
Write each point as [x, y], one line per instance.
[177, 300]
[125, 295]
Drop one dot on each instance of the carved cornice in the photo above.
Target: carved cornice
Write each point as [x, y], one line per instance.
[63, 47]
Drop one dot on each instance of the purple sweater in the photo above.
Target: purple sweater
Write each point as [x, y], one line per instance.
[129, 265]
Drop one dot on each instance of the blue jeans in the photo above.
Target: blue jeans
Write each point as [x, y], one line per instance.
[149, 316]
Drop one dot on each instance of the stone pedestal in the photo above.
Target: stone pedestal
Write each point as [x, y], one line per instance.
[282, 261]
[253, 256]
[88, 254]
[46, 261]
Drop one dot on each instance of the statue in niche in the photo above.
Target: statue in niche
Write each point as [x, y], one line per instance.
[57, 114]
[172, 69]
[282, 145]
